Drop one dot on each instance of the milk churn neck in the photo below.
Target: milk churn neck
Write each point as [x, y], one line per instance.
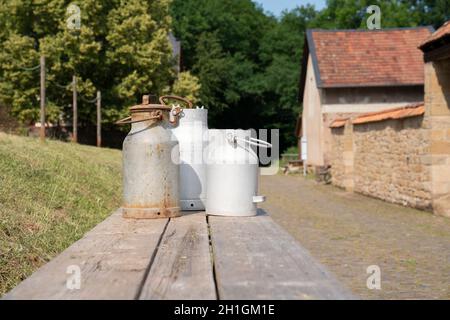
[155, 111]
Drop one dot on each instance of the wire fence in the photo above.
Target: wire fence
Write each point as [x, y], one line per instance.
[30, 69]
[70, 86]
[88, 101]
[62, 86]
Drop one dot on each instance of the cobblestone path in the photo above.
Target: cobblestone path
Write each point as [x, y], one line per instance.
[349, 232]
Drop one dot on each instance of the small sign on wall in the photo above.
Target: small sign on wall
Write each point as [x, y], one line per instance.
[304, 148]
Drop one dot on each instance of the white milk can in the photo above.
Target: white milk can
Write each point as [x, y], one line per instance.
[192, 135]
[150, 174]
[232, 173]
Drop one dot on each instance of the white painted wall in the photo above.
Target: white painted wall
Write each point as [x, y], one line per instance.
[312, 118]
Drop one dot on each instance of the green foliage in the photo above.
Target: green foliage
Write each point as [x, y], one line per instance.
[122, 49]
[19, 89]
[429, 12]
[186, 85]
[212, 67]
[292, 150]
[351, 14]
[281, 51]
[247, 62]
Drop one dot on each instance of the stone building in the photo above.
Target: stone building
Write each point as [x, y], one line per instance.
[402, 154]
[437, 114]
[350, 72]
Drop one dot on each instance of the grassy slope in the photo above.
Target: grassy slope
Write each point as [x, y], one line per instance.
[50, 195]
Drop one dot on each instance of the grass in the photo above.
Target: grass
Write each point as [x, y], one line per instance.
[50, 195]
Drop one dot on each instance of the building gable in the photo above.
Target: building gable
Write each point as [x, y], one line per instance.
[365, 58]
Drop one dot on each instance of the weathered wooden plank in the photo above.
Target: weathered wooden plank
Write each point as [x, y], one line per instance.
[254, 258]
[182, 268]
[113, 259]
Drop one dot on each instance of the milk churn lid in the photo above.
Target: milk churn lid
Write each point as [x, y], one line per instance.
[147, 106]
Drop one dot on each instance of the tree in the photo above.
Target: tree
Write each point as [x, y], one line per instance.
[281, 52]
[351, 14]
[187, 85]
[248, 63]
[220, 44]
[122, 49]
[429, 12]
[212, 68]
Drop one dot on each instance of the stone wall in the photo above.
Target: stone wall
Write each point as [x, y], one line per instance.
[342, 157]
[337, 159]
[404, 161]
[437, 121]
[390, 161]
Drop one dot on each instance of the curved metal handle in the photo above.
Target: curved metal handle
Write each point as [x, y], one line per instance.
[251, 141]
[186, 101]
[259, 143]
[127, 120]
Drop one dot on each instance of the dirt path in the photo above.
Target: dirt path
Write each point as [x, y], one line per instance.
[349, 232]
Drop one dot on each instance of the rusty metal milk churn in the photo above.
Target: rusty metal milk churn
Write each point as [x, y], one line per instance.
[150, 162]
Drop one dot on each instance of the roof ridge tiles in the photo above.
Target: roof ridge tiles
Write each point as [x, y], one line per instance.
[386, 114]
[430, 28]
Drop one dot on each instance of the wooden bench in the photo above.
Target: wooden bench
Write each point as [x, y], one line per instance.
[191, 257]
[293, 166]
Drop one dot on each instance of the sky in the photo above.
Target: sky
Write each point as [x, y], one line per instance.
[277, 6]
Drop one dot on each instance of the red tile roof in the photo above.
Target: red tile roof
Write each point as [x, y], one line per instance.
[346, 58]
[440, 33]
[338, 123]
[411, 110]
[397, 113]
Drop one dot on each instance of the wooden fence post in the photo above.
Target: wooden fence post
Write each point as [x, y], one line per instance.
[75, 110]
[42, 129]
[99, 119]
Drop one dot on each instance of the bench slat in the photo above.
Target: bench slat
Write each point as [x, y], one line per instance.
[182, 268]
[254, 258]
[113, 258]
